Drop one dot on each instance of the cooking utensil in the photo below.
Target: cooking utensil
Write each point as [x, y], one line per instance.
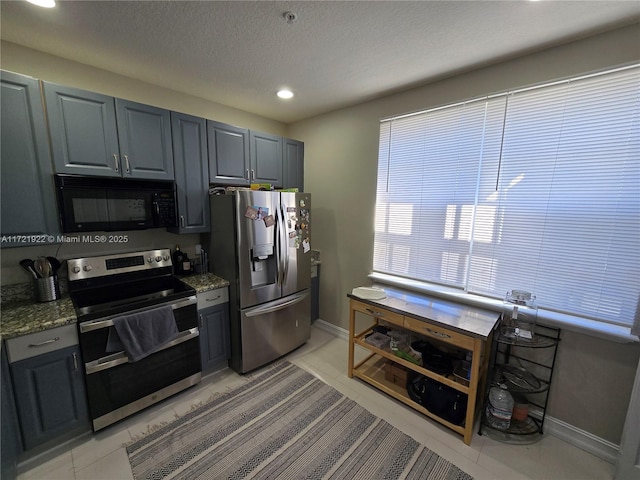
[27, 264]
[55, 264]
[42, 267]
[48, 270]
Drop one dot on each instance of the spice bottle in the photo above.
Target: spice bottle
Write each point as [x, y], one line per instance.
[186, 264]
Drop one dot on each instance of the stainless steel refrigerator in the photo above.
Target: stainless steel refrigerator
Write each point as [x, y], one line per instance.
[260, 242]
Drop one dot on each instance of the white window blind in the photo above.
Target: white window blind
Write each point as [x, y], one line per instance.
[537, 189]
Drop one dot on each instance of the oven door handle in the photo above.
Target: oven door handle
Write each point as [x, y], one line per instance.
[108, 321]
[119, 358]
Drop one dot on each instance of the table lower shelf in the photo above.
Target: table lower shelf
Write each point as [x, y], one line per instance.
[372, 371]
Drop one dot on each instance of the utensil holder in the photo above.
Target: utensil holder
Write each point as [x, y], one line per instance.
[47, 289]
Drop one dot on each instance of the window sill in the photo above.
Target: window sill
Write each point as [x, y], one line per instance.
[613, 333]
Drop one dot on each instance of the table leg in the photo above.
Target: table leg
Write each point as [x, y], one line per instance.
[352, 329]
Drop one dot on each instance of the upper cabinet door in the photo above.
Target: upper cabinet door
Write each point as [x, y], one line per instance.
[191, 171]
[293, 164]
[28, 196]
[94, 134]
[84, 138]
[144, 133]
[228, 154]
[266, 159]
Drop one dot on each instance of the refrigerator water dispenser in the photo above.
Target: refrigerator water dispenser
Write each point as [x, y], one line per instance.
[263, 265]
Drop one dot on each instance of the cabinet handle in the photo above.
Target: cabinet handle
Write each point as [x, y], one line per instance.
[126, 159]
[75, 361]
[375, 313]
[182, 221]
[436, 333]
[42, 344]
[115, 160]
[248, 178]
[213, 299]
[253, 174]
[200, 321]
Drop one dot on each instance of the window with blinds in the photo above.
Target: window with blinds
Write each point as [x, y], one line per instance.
[536, 189]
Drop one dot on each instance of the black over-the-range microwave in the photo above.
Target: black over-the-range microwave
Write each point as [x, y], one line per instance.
[88, 204]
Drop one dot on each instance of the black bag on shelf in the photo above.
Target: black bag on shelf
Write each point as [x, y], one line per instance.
[440, 399]
[433, 359]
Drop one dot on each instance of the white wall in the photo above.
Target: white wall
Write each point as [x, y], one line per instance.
[594, 379]
[11, 272]
[46, 67]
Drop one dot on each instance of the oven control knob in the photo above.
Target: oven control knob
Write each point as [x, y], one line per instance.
[166, 258]
[76, 269]
[158, 259]
[87, 268]
[149, 260]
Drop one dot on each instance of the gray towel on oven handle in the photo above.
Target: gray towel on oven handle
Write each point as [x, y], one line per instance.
[143, 333]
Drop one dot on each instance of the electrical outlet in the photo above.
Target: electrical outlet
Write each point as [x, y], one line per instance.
[198, 248]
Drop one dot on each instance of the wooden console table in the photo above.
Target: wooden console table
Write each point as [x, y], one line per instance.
[438, 321]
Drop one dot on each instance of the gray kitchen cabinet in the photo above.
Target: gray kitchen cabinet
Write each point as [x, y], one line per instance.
[293, 164]
[95, 134]
[11, 443]
[213, 312]
[266, 158]
[228, 149]
[144, 134]
[28, 194]
[51, 392]
[84, 137]
[240, 157]
[191, 172]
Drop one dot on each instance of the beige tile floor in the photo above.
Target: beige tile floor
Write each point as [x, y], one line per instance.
[102, 455]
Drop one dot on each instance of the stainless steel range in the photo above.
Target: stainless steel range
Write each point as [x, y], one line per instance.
[109, 290]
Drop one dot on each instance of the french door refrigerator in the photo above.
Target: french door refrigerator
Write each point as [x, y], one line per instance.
[260, 243]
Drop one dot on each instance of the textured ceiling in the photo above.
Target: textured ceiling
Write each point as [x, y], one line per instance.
[335, 54]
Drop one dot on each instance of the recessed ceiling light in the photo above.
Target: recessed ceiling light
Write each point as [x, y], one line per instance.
[43, 3]
[284, 93]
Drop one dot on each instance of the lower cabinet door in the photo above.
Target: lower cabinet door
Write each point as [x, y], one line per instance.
[214, 336]
[10, 442]
[50, 395]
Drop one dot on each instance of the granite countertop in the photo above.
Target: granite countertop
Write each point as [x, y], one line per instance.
[22, 317]
[203, 282]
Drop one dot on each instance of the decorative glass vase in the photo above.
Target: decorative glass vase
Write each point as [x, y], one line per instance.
[519, 315]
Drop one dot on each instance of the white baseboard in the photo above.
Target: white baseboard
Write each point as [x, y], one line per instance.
[582, 439]
[331, 328]
[575, 436]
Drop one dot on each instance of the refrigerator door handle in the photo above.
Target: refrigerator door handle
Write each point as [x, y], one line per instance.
[277, 305]
[278, 235]
[278, 240]
[281, 249]
[285, 246]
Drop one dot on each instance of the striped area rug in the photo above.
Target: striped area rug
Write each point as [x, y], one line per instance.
[284, 423]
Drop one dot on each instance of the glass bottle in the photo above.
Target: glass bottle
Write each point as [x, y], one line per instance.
[519, 315]
[186, 263]
[177, 260]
